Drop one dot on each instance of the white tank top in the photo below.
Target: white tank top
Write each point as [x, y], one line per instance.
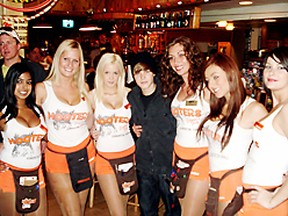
[21, 145]
[113, 125]
[189, 114]
[234, 155]
[66, 124]
[268, 158]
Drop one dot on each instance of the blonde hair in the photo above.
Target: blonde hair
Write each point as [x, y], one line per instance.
[79, 78]
[106, 59]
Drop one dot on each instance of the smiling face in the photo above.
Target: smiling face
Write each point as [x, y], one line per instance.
[217, 81]
[178, 60]
[275, 75]
[23, 86]
[69, 63]
[111, 75]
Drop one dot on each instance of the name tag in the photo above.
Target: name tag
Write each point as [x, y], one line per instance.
[191, 103]
[258, 125]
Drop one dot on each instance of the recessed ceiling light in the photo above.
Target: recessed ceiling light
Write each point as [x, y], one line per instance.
[245, 3]
[222, 24]
[270, 20]
[158, 6]
[230, 27]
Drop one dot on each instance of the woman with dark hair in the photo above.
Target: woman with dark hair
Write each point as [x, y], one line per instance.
[21, 124]
[267, 161]
[181, 81]
[228, 129]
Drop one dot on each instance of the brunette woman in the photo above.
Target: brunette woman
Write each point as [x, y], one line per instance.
[228, 129]
[181, 79]
[22, 127]
[267, 163]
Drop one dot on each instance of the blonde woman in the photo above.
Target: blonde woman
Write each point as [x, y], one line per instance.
[114, 141]
[63, 98]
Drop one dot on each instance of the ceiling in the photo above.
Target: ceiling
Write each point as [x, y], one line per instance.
[234, 4]
[242, 16]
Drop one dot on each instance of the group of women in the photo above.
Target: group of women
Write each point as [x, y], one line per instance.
[216, 124]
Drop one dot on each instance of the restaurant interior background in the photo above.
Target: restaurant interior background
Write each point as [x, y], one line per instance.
[245, 32]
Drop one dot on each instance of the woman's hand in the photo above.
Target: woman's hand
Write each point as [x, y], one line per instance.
[94, 133]
[137, 129]
[3, 167]
[43, 144]
[262, 197]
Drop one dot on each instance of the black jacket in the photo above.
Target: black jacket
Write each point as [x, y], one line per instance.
[38, 73]
[154, 148]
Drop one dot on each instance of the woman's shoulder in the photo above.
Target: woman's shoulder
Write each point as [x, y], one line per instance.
[281, 120]
[254, 111]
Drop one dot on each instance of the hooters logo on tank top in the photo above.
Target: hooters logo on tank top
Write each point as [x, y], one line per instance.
[63, 119]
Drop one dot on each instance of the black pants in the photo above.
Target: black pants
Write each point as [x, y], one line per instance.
[152, 187]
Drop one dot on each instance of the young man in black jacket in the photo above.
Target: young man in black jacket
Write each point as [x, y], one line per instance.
[154, 128]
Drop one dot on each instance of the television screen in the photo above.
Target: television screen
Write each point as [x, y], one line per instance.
[67, 23]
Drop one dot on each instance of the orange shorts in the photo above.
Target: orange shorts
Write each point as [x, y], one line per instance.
[57, 163]
[103, 166]
[229, 184]
[200, 170]
[7, 180]
[255, 209]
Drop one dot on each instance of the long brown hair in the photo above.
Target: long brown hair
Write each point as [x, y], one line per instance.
[170, 80]
[237, 96]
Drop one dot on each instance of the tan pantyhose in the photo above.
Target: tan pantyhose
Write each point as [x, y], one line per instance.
[116, 202]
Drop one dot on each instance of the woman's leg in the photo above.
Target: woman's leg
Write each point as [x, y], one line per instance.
[42, 210]
[116, 202]
[221, 207]
[7, 204]
[70, 202]
[193, 204]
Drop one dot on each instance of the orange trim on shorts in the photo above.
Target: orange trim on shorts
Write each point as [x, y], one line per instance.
[256, 209]
[200, 170]
[229, 184]
[57, 163]
[103, 167]
[7, 180]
